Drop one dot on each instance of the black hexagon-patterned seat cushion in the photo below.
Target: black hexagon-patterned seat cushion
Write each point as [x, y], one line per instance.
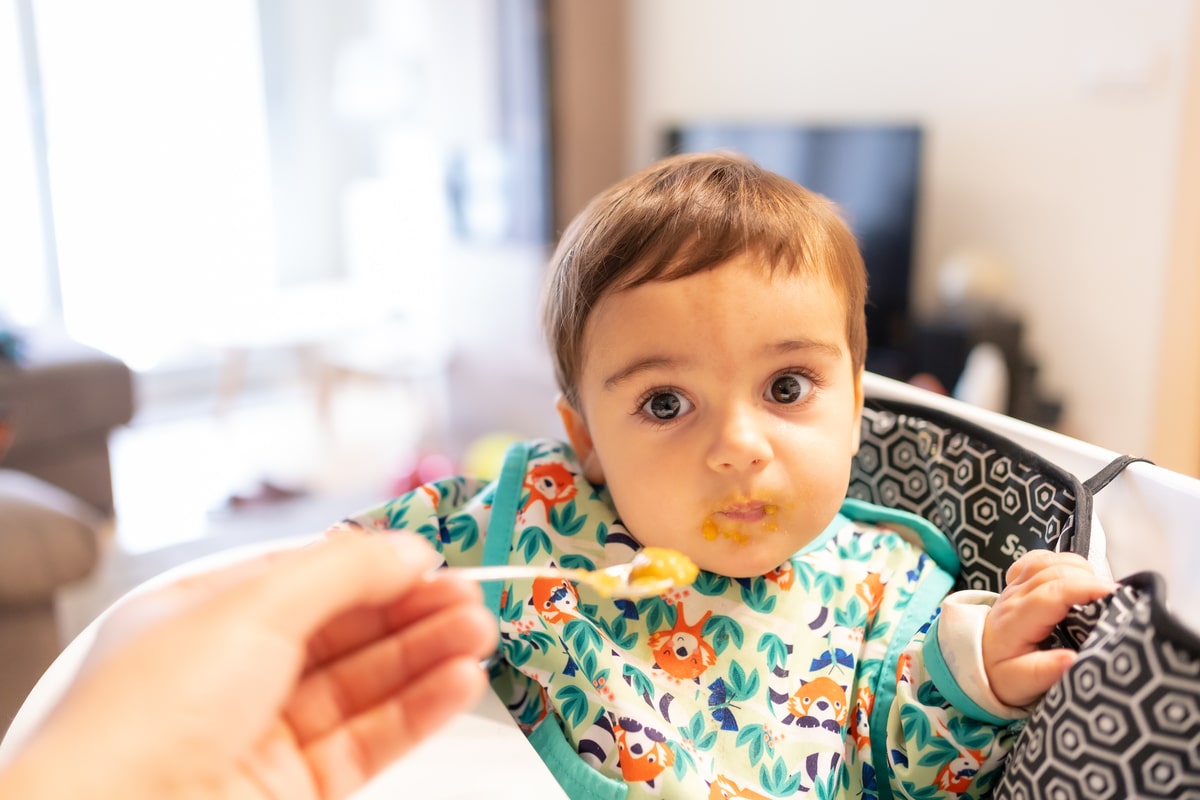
[1124, 722]
[991, 497]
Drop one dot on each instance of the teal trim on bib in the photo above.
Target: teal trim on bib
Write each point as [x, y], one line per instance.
[933, 541]
[943, 679]
[504, 519]
[577, 779]
[929, 594]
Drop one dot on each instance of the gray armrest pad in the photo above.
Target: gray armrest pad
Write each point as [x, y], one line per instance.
[63, 389]
[47, 538]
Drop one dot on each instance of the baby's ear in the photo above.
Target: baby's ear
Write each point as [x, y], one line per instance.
[859, 398]
[580, 439]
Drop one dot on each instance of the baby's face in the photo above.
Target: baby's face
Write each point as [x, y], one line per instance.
[722, 412]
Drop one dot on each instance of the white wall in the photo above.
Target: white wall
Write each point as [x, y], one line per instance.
[1052, 138]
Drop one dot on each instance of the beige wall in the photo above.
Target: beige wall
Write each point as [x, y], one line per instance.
[1053, 138]
[1177, 421]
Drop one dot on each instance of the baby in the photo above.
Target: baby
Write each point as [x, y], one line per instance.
[706, 319]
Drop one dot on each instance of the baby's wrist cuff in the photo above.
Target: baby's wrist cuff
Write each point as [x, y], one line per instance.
[956, 663]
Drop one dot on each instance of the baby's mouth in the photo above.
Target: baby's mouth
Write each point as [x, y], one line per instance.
[738, 520]
[748, 512]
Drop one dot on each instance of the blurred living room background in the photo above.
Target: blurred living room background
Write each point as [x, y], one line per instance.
[314, 232]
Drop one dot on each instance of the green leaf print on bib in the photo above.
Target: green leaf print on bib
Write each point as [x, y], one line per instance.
[464, 530]
[566, 520]
[709, 584]
[722, 631]
[778, 780]
[532, 541]
[573, 705]
[758, 597]
[775, 650]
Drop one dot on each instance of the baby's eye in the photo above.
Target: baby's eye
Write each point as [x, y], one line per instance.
[666, 405]
[790, 388]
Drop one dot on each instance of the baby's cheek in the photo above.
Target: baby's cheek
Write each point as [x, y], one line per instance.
[652, 524]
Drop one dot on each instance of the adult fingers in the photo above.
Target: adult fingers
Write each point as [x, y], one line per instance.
[359, 626]
[328, 697]
[168, 596]
[308, 587]
[348, 756]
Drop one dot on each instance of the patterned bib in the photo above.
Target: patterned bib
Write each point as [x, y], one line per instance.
[817, 678]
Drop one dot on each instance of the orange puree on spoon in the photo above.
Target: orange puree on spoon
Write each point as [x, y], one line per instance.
[653, 570]
[662, 563]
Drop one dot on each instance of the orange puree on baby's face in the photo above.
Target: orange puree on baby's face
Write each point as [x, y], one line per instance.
[712, 530]
[739, 532]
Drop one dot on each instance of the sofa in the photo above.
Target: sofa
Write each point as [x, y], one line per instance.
[59, 402]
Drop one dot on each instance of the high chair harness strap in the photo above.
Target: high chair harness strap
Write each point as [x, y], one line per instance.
[1106, 475]
[1080, 539]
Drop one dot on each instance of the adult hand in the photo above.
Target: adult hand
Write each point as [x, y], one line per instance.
[300, 674]
[1042, 586]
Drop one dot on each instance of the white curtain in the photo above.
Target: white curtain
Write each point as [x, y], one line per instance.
[24, 280]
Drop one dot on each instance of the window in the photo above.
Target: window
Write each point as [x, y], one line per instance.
[204, 159]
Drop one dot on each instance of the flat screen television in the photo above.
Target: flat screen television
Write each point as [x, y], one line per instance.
[873, 173]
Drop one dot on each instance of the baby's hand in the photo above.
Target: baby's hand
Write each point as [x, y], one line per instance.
[1042, 587]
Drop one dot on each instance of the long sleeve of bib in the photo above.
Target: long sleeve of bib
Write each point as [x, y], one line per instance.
[452, 513]
[941, 742]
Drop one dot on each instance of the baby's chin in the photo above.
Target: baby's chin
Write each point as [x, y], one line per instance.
[742, 552]
[742, 560]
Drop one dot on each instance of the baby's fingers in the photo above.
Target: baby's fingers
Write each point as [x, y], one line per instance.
[1053, 591]
[1039, 566]
[1024, 617]
[1023, 680]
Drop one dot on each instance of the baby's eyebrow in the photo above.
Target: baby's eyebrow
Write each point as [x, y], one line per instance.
[792, 345]
[641, 365]
[782, 347]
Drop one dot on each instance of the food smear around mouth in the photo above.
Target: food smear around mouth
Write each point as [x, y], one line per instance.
[738, 529]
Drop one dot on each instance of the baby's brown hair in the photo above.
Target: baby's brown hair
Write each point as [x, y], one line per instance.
[683, 215]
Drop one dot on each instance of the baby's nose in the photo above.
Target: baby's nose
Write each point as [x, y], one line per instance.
[739, 442]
